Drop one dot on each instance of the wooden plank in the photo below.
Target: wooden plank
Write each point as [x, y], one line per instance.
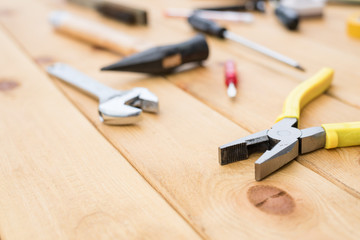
[178, 155]
[60, 179]
[345, 85]
[259, 103]
[267, 31]
[323, 53]
[334, 21]
[253, 111]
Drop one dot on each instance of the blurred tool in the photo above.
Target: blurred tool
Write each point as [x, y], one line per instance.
[305, 8]
[115, 107]
[287, 16]
[252, 5]
[213, 15]
[123, 13]
[344, 1]
[96, 33]
[353, 25]
[116, 10]
[284, 141]
[230, 78]
[164, 59]
[214, 29]
[86, 3]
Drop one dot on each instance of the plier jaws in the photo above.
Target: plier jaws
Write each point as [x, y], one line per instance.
[242, 148]
[282, 143]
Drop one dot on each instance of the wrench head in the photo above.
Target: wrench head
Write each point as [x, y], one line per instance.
[115, 112]
[127, 108]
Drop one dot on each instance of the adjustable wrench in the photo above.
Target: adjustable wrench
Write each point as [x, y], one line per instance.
[115, 107]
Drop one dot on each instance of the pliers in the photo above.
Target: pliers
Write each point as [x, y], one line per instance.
[284, 141]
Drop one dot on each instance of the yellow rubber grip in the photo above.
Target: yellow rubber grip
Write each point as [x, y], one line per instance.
[353, 25]
[305, 92]
[342, 134]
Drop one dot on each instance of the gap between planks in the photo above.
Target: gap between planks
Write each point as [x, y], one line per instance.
[176, 215]
[248, 128]
[66, 94]
[317, 170]
[292, 166]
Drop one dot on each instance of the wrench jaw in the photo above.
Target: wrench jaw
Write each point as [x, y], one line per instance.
[115, 112]
[242, 148]
[145, 100]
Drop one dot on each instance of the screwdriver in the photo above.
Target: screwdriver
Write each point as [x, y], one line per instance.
[212, 28]
[230, 78]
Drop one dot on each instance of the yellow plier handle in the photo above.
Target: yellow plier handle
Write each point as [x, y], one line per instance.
[342, 134]
[337, 134]
[305, 92]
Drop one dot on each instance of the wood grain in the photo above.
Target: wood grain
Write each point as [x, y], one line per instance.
[262, 92]
[318, 43]
[176, 151]
[258, 104]
[60, 179]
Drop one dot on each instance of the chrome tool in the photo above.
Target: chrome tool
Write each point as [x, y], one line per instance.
[284, 141]
[115, 107]
[305, 8]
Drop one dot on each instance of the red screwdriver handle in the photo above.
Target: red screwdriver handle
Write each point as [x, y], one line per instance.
[230, 73]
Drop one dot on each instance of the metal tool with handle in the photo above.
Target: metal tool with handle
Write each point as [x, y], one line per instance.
[115, 107]
[284, 141]
[212, 28]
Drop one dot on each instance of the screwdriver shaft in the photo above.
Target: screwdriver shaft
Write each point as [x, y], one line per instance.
[262, 49]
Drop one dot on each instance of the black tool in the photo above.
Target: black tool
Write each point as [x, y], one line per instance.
[116, 10]
[164, 59]
[288, 17]
[122, 13]
[257, 5]
[212, 28]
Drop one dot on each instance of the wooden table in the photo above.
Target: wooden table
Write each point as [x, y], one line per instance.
[65, 175]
